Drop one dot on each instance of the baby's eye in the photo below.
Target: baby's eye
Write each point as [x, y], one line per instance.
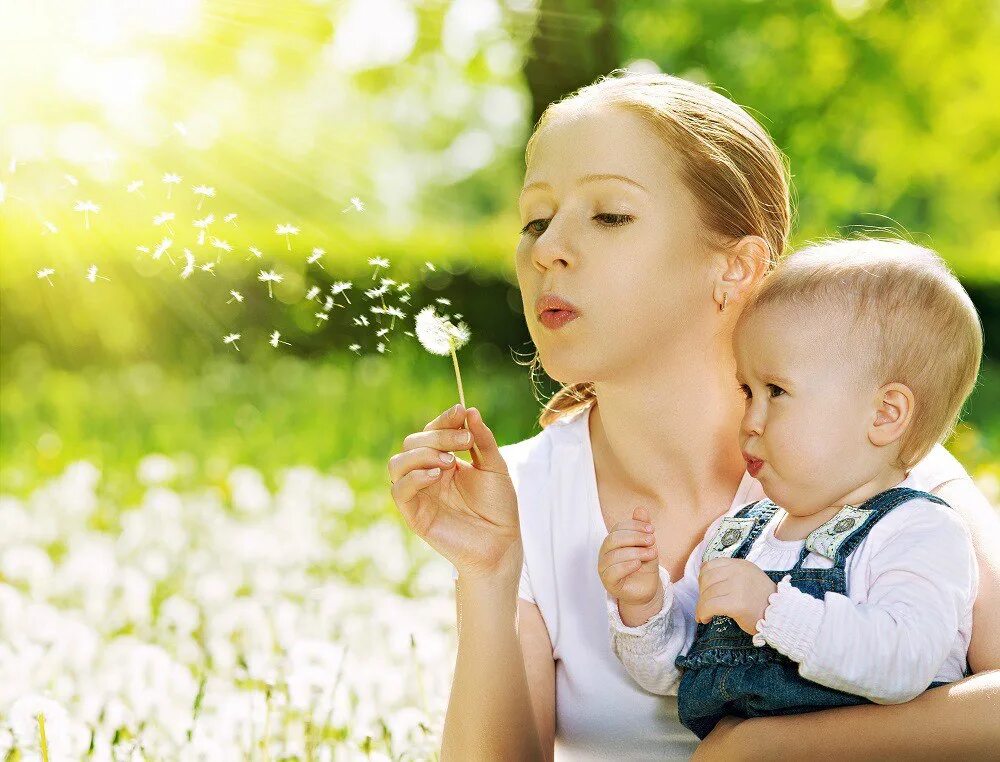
[528, 229]
[749, 395]
[778, 389]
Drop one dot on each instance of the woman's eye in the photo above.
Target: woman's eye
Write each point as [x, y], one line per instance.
[528, 229]
[614, 219]
[778, 388]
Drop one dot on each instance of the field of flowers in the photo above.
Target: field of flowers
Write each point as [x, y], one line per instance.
[234, 621]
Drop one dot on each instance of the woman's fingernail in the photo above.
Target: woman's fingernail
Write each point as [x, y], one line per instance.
[648, 527]
[434, 473]
[447, 458]
[466, 437]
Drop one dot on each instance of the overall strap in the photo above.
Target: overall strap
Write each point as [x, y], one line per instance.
[762, 512]
[877, 507]
[737, 533]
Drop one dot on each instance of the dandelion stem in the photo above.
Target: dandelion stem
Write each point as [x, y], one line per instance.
[461, 397]
[42, 741]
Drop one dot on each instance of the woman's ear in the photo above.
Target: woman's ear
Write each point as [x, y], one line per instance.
[744, 265]
[894, 406]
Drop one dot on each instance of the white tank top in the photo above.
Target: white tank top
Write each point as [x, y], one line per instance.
[601, 713]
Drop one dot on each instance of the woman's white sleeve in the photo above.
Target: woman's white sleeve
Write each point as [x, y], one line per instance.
[648, 651]
[921, 581]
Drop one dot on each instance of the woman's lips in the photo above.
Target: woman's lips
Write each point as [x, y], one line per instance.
[556, 318]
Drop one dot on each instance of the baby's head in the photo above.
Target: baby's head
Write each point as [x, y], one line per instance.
[856, 357]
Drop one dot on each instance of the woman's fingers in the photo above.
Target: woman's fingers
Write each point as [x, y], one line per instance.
[439, 439]
[451, 418]
[402, 463]
[406, 488]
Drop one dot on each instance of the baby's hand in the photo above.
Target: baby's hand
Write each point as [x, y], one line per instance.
[629, 567]
[733, 587]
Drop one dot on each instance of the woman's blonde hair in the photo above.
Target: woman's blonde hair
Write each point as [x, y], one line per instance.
[913, 323]
[728, 161]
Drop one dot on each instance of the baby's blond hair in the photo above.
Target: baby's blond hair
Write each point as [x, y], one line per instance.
[907, 308]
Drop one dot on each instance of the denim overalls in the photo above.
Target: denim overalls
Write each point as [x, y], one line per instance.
[724, 672]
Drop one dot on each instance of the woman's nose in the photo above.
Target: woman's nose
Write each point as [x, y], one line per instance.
[550, 250]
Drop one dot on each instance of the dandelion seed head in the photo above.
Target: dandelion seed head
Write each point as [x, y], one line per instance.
[438, 334]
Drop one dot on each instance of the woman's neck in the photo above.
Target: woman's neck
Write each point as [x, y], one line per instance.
[672, 435]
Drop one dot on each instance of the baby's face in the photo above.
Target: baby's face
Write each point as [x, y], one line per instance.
[809, 406]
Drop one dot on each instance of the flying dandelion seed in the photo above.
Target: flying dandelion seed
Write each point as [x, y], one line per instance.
[361, 320]
[92, 275]
[181, 128]
[171, 180]
[231, 217]
[45, 272]
[71, 181]
[142, 249]
[356, 203]
[162, 248]
[377, 263]
[3, 193]
[408, 333]
[287, 230]
[231, 338]
[208, 267]
[440, 336]
[164, 218]
[355, 348]
[189, 266]
[340, 287]
[381, 332]
[442, 300]
[328, 304]
[221, 245]
[313, 259]
[404, 299]
[322, 316]
[395, 312]
[135, 187]
[312, 293]
[205, 192]
[402, 286]
[255, 252]
[430, 266]
[50, 227]
[87, 207]
[269, 277]
[237, 297]
[276, 339]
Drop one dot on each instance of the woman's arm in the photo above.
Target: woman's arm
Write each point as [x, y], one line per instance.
[491, 710]
[957, 721]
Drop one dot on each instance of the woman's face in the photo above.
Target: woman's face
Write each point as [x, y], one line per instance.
[627, 252]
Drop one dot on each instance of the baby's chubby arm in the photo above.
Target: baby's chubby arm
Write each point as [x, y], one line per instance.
[921, 577]
[651, 619]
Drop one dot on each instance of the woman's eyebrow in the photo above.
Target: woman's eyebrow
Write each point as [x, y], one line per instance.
[588, 179]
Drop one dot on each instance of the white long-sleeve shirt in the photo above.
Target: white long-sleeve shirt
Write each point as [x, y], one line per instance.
[906, 619]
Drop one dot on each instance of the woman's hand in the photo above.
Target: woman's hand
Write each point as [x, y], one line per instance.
[466, 512]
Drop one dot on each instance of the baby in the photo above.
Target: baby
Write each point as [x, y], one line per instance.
[845, 585]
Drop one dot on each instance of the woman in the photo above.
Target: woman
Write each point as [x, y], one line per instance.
[652, 207]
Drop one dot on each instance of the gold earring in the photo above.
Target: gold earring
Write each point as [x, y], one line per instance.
[722, 308]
